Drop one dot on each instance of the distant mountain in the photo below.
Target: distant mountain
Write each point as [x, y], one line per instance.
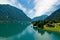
[10, 13]
[54, 16]
[40, 18]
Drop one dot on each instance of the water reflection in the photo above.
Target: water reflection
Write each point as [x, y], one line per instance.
[10, 29]
[27, 34]
[42, 32]
[47, 35]
[35, 34]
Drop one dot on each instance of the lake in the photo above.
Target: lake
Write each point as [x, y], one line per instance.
[25, 31]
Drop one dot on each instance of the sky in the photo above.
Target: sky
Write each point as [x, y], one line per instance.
[34, 8]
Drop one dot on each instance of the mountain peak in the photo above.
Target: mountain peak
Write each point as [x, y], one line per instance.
[54, 16]
[10, 13]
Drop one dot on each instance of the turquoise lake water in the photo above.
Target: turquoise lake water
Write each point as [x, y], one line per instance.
[25, 31]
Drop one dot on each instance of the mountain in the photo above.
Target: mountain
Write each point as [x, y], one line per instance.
[54, 16]
[12, 21]
[40, 18]
[10, 13]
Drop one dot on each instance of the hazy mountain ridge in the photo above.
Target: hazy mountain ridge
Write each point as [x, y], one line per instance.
[40, 18]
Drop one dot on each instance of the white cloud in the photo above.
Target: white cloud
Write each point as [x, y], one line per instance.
[31, 13]
[42, 6]
[17, 4]
[13, 3]
[21, 7]
[4, 2]
[58, 3]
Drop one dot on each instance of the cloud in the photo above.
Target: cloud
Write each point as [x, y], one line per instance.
[43, 6]
[17, 4]
[28, 4]
[32, 8]
[4, 2]
[21, 7]
[13, 3]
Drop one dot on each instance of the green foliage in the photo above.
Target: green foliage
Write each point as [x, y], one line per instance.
[56, 28]
[39, 24]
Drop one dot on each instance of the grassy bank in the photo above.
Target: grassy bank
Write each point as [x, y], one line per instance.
[56, 28]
